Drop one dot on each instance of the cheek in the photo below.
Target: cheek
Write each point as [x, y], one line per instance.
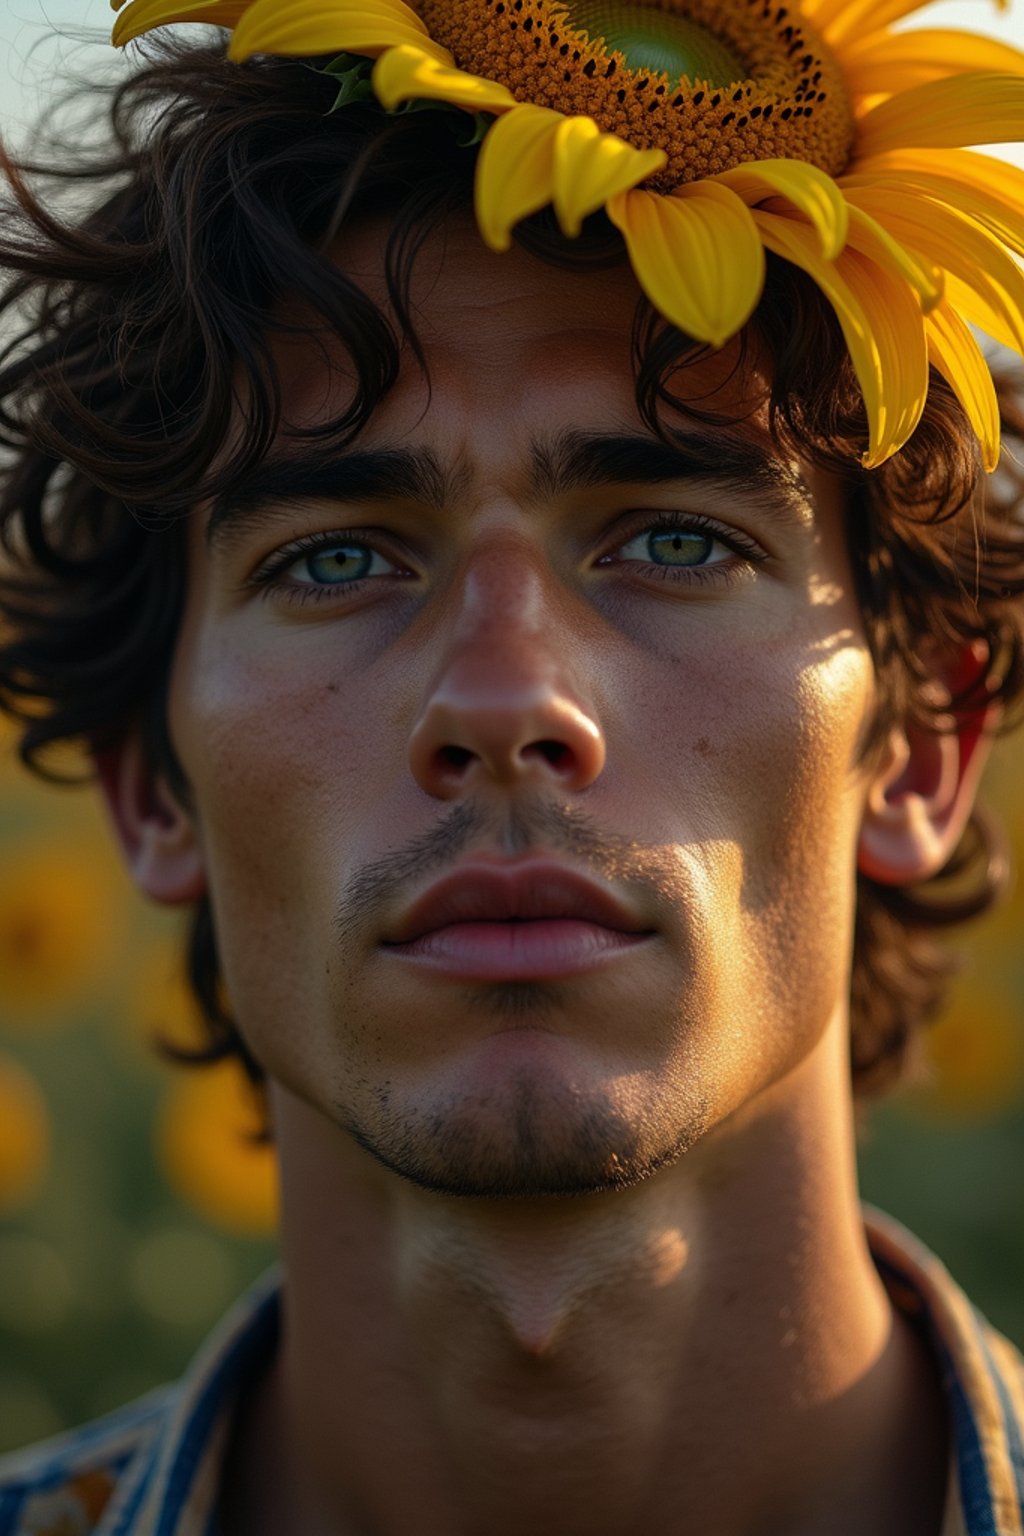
[292, 768]
[744, 755]
[795, 793]
[747, 741]
[794, 770]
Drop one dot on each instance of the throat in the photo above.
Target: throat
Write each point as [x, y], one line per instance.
[540, 1290]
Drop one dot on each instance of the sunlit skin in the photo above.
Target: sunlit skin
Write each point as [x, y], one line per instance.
[579, 1256]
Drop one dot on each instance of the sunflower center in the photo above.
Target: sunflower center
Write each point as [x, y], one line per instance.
[713, 83]
[657, 40]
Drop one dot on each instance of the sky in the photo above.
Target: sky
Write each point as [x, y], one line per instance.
[32, 51]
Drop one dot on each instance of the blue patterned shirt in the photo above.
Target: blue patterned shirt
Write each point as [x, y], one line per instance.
[153, 1468]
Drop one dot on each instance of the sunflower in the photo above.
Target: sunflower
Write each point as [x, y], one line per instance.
[712, 131]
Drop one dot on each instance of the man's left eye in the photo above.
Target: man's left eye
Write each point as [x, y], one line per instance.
[338, 563]
[672, 546]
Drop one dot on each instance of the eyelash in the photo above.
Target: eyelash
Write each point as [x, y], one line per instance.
[266, 577]
[722, 572]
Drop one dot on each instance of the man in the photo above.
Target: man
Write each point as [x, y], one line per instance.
[565, 741]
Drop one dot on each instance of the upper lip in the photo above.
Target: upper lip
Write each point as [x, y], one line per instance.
[490, 893]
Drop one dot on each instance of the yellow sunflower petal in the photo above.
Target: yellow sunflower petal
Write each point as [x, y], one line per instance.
[143, 15]
[945, 114]
[881, 322]
[515, 171]
[590, 167]
[839, 19]
[971, 257]
[955, 353]
[890, 62]
[989, 191]
[873, 240]
[810, 190]
[301, 27]
[408, 73]
[966, 300]
[696, 254]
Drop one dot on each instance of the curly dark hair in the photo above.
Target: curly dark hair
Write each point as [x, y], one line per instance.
[220, 190]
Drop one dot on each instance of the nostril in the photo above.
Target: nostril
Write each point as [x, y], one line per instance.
[454, 757]
[554, 752]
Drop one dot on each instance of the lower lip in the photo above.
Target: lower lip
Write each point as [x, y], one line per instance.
[522, 951]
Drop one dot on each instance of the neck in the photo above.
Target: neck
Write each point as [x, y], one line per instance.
[564, 1366]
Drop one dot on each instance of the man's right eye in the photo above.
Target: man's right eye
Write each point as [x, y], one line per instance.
[322, 566]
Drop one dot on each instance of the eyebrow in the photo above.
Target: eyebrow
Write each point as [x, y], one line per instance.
[325, 474]
[564, 462]
[575, 460]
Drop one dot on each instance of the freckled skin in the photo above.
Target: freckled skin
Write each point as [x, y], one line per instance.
[727, 800]
[539, 1363]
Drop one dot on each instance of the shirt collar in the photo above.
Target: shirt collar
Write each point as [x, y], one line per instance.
[171, 1486]
[982, 1376]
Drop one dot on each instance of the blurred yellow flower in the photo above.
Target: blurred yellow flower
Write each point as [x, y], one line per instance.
[8, 743]
[24, 1136]
[157, 1001]
[205, 1157]
[1010, 800]
[61, 915]
[68, 759]
[977, 1052]
[1002, 788]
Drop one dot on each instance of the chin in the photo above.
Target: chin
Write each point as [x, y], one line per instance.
[530, 1137]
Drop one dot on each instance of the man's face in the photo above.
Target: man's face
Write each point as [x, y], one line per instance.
[538, 649]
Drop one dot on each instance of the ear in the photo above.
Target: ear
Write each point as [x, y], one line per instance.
[157, 836]
[922, 793]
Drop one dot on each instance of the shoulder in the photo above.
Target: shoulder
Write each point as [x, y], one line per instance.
[63, 1486]
[156, 1456]
[982, 1375]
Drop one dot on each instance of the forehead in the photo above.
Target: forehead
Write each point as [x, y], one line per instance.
[513, 344]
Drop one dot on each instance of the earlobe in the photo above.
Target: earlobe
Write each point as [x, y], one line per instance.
[157, 836]
[922, 793]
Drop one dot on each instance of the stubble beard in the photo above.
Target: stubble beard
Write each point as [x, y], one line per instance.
[532, 1140]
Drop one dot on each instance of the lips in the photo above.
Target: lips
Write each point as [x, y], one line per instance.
[532, 892]
[535, 921]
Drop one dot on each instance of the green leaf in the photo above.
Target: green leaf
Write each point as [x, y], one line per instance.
[352, 72]
[477, 125]
[481, 122]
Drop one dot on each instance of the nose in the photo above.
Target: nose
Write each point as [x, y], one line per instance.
[505, 707]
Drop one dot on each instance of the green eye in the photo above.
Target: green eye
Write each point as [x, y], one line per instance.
[339, 562]
[679, 546]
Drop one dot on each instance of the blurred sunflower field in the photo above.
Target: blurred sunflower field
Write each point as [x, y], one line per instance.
[133, 1208]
